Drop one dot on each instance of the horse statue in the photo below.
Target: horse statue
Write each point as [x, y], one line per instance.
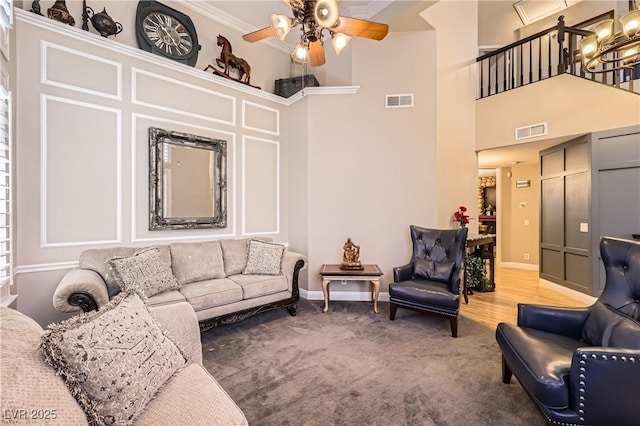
[228, 60]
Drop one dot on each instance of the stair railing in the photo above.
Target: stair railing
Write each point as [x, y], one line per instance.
[543, 55]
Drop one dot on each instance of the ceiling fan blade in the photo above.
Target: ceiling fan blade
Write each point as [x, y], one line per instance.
[361, 28]
[316, 53]
[258, 35]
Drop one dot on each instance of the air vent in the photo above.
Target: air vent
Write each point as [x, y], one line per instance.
[399, 101]
[532, 131]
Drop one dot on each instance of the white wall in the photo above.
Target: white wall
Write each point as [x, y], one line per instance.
[570, 105]
[371, 171]
[84, 107]
[456, 108]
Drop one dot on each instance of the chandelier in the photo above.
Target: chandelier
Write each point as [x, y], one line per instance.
[615, 51]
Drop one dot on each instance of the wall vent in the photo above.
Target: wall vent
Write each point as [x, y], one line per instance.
[531, 131]
[399, 101]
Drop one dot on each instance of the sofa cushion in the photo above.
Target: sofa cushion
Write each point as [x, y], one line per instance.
[264, 258]
[197, 261]
[234, 253]
[97, 260]
[540, 360]
[210, 293]
[426, 292]
[259, 285]
[599, 325]
[427, 269]
[192, 397]
[166, 298]
[113, 360]
[145, 270]
[27, 382]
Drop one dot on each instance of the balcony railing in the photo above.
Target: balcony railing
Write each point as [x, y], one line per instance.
[543, 55]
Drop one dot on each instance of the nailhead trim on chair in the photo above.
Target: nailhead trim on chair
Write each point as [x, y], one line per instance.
[582, 383]
[582, 388]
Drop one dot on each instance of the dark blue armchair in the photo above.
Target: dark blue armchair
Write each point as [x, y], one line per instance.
[581, 366]
[431, 281]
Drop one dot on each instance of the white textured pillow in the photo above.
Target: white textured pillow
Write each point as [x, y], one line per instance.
[145, 270]
[264, 258]
[113, 360]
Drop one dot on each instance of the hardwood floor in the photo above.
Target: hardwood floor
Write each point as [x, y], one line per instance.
[513, 286]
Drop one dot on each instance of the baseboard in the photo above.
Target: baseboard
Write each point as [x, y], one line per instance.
[567, 291]
[343, 296]
[516, 265]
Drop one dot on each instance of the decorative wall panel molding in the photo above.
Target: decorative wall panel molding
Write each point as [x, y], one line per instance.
[166, 94]
[23, 16]
[140, 179]
[80, 139]
[45, 267]
[82, 72]
[260, 186]
[260, 118]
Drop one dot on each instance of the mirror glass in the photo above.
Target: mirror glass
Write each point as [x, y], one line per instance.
[187, 181]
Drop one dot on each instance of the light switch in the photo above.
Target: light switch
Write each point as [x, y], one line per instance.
[584, 227]
[526, 222]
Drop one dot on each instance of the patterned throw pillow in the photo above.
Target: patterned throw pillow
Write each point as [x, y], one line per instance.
[113, 360]
[145, 270]
[264, 258]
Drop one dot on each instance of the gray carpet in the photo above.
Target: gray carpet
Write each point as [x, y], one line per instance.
[352, 367]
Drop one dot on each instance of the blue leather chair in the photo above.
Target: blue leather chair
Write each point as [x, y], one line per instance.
[430, 282]
[581, 366]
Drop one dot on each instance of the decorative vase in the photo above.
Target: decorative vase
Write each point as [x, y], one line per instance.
[103, 23]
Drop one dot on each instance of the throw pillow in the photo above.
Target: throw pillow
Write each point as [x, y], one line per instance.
[427, 269]
[626, 334]
[113, 360]
[144, 270]
[264, 258]
[599, 325]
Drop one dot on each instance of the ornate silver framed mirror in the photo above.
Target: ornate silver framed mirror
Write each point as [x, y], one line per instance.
[187, 181]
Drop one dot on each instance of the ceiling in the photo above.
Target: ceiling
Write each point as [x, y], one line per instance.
[247, 16]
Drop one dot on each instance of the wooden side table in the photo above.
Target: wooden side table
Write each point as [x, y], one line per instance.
[370, 273]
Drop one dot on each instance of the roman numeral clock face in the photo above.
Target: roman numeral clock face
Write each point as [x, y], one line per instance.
[166, 32]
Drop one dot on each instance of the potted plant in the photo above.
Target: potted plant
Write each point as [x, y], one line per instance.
[476, 275]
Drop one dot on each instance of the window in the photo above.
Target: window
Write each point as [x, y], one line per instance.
[6, 255]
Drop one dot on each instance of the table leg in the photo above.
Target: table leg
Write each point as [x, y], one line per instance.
[375, 294]
[325, 291]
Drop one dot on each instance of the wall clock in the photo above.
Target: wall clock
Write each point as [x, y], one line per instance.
[166, 32]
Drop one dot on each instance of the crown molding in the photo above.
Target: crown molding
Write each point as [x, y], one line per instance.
[366, 11]
[228, 20]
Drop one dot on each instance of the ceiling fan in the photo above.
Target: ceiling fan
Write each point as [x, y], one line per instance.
[313, 17]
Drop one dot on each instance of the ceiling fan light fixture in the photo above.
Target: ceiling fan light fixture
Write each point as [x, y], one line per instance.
[326, 13]
[300, 53]
[339, 41]
[281, 25]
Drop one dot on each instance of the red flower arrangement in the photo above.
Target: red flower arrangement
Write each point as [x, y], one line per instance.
[461, 217]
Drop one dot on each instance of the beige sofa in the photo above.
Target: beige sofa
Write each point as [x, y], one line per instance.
[211, 279]
[32, 392]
